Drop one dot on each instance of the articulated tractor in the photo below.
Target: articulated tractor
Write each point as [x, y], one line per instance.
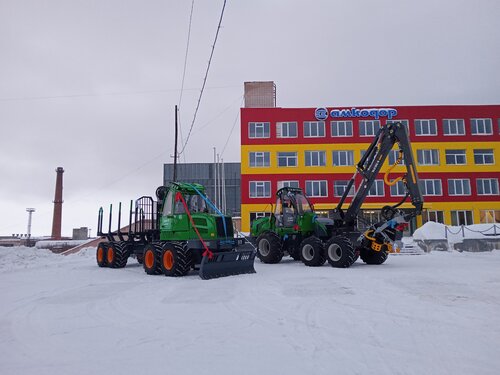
[182, 230]
[295, 229]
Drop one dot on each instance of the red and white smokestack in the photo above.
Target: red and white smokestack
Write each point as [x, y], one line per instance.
[58, 201]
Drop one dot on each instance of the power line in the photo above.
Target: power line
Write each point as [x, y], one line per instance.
[184, 72]
[205, 79]
[234, 124]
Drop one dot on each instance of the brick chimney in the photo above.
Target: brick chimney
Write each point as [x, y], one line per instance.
[58, 201]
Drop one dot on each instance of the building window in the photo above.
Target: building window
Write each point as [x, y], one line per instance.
[341, 128]
[489, 216]
[315, 158]
[453, 127]
[428, 157]
[484, 156]
[455, 157]
[461, 217]
[259, 159]
[316, 188]
[368, 128]
[286, 130]
[377, 189]
[258, 215]
[339, 187]
[404, 122]
[287, 159]
[398, 190]
[431, 187]
[425, 127]
[314, 129]
[260, 189]
[433, 215]
[293, 184]
[487, 186]
[481, 126]
[258, 129]
[343, 158]
[393, 156]
[459, 187]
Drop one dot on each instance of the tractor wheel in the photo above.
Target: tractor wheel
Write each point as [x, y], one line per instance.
[340, 252]
[370, 256]
[101, 254]
[152, 259]
[117, 254]
[269, 248]
[176, 259]
[312, 253]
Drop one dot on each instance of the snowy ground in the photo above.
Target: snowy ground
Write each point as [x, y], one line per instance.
[437, 313]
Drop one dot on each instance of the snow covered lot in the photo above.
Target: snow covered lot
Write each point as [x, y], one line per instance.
[437, 313]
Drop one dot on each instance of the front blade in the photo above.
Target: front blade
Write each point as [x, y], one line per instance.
[227, 264]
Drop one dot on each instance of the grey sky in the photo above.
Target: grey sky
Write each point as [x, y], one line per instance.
[91, 85]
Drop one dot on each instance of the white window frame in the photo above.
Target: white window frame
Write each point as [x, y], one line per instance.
[264, 185]
[489, 213]
[437, 214]
[378, 186]
[316, 129]
[367, 127]
[283, 129]
[476, 123]
[342, 128]
[463, 183]
[262, 159]
[259, 127]
[455, 155]
[310, 187]
[289, 183]
[427, 156]
[484, 184]
[483, 154]
[346, 156]
[398, 189]
[293, 157]
[393, 156]
[466, 213]
[457, 123]
[424, 127]
[315, 156]
[431, 187]
[342, 183]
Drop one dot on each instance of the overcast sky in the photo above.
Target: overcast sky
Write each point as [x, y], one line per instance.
[91, 85]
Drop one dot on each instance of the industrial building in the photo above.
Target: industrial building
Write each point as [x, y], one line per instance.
[221, 181]
[456, 147]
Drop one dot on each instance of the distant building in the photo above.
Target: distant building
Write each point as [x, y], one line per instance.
[228, 183]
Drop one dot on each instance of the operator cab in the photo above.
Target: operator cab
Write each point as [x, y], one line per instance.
[290, 203]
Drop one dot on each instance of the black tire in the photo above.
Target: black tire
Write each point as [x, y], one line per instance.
[100, 254]
[312, 253]
[176, 259]
[152, 258]
[339, 252]
[370, 256]
[117, 254]
[269, 249]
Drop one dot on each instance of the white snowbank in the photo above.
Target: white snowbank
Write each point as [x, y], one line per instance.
[413, 315]
[454, 234]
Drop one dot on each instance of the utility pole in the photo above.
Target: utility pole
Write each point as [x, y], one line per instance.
[30, 213]
[175, 147]
[215, 177]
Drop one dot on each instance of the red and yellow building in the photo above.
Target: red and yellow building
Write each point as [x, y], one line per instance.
[456, 148]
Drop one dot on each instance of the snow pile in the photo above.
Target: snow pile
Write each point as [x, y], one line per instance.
[456, 234]
[12, 258]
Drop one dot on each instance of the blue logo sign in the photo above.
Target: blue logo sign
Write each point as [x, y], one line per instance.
[321, 114]
[376, 113]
